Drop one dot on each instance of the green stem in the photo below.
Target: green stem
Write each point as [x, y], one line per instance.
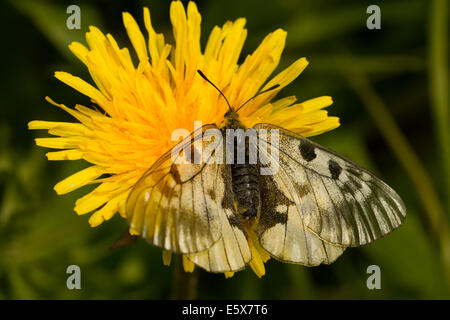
[184, 284]
[434, 213]
[439, 86]
[438, 76]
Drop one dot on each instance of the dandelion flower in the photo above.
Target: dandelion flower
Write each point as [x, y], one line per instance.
[137, 105]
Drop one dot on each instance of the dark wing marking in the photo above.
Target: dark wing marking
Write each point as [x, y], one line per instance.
[281, 229]
[336, 199]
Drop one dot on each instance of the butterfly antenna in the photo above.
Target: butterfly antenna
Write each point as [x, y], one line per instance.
[261, 92]
[204, 77]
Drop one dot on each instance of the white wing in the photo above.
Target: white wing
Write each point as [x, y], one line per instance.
[170, 206]
[231, 253]
[334, 198]
[188, 208]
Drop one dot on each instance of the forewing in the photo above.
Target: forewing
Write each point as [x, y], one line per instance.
[172, 206]
[334, 198]
[231, 253]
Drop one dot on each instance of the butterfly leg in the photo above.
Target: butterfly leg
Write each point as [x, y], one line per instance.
[238, 209]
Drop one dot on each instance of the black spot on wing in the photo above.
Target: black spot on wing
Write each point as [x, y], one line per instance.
[335, 169]
[307, 150]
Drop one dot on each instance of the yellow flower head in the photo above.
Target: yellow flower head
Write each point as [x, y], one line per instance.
[140, 106]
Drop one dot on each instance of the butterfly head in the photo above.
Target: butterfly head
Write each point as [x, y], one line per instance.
[231, 120]
[231, 117]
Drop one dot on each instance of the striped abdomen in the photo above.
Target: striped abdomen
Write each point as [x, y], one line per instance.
[245, 181]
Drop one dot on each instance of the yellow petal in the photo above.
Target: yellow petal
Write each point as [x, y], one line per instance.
[39, 125]
[154, 45]
[135, 35]
[78, 179]
[167, 257]
[106, 212]
[81, 86]
[328, 124]
[261, 63]
[188, 265]
[70, 129]
[64, 155]
[90, 202]
[57, 143]
[83, 119]
[213, 44]
[257, 262]
[133, 232]
[283, 103]
[317, 103]
[79, 51]
[178, 19]
[230, 51]
[193, 55]
[289, 74]
[100, 195]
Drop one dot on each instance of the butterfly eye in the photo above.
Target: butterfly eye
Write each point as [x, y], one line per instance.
[227, 114]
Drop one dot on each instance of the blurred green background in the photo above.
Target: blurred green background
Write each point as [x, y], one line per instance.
[390, 88]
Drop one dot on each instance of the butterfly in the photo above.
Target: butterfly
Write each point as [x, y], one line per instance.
[307, 211]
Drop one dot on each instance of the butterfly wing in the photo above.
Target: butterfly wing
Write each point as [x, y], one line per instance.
[174, 205]
[231, 253]
[282, 232]
[335, 199]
